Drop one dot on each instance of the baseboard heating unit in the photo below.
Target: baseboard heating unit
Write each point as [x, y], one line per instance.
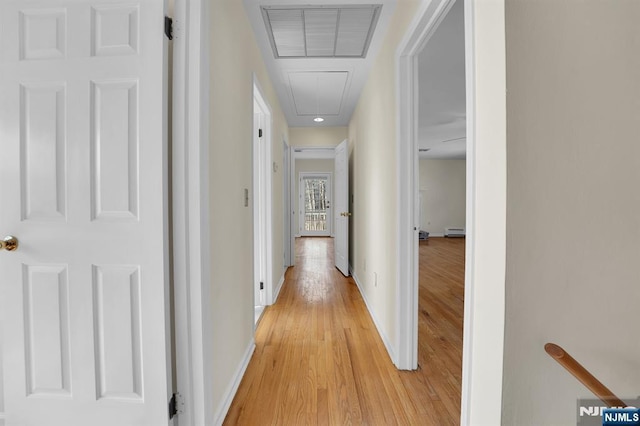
[454, 232]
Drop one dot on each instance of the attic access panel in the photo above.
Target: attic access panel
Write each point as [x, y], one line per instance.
[320, 31]
[318, 93]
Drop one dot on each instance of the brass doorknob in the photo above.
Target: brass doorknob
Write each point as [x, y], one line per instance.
[9, 243]
[345, 214]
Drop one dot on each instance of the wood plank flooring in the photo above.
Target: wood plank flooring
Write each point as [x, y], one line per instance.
[320, 361]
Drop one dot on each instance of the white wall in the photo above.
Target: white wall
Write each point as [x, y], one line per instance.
[443, 195]
[373, 174]
[317, 136]
[235, 58]
[573, 203]
[314, 166]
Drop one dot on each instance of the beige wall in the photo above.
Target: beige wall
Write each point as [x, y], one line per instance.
[319, 165]
[443, 195]
[234, 59]
[573, 218]
[372, 140]
[317, 136]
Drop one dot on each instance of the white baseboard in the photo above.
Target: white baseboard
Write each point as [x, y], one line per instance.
[233, 386]
[383, 336]
[436, 234]
[276, 291]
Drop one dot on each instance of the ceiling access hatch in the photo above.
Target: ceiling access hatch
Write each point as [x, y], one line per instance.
[320, 31]
[318, 93]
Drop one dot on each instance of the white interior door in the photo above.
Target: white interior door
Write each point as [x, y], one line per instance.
[259, 217]
[341, 207]
[262, 199]
[83, 187]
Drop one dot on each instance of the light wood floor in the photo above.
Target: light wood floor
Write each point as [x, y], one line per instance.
[320, 361]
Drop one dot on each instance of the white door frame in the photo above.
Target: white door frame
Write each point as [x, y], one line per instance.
[303, 153]
[191, 235]
[263, 194]
[286, 204]
[486, 201]
[301, 208]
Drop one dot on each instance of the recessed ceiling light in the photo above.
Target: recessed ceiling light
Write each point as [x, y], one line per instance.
[318, 119]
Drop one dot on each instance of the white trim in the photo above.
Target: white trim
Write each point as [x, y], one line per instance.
[287, 240]
[383, 336]
[293, 208]
[424, 26]
[485, 264]
[191, 237]
[486, 202]
[276, 291]
[231, 390]
[266, 190]
[313, 152]
[170, 348]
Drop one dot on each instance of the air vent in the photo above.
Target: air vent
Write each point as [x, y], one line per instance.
[320, 32]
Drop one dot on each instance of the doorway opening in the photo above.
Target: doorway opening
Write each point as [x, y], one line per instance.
[485, 228]
[262, 233]
[320, 184]
[314, 193]
[441, 159]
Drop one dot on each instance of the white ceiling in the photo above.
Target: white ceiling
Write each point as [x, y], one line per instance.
[329, 80]
[442, 103]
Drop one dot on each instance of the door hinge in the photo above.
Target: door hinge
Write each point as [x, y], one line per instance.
[173, 406]
[259, 133]
[168, 27]
[261, 286]
[176, 405]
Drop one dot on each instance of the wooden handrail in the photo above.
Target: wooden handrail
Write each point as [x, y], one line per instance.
[583, 375]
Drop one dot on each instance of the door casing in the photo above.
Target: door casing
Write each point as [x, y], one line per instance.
[190, 210]
[483, 343]
[286, 204]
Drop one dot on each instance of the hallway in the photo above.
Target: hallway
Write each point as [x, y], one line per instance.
[319, 359]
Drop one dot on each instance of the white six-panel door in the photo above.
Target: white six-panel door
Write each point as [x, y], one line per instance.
[83, 188]
[341, 207]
